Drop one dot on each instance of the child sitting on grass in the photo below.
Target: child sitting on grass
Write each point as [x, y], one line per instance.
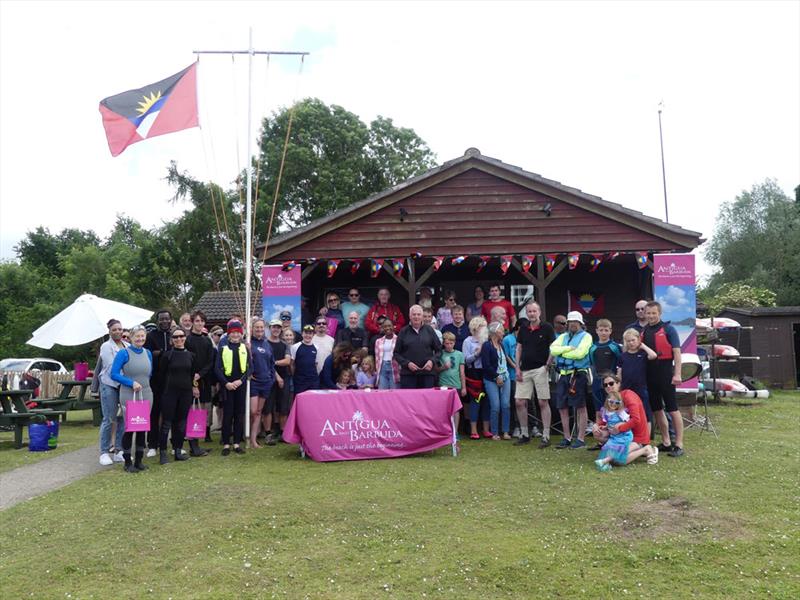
[366, 376]
[616, 448]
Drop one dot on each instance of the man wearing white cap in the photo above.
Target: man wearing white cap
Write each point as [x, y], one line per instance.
[571, 351]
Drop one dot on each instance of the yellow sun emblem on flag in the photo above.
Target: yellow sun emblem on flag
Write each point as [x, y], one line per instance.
[148, 102]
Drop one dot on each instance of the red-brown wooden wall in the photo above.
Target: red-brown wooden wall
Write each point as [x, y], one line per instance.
[477, 213]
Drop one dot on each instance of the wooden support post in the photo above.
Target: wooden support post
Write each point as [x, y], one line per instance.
[308, 270]
[389, 271]
[412, 282]
[424, 277]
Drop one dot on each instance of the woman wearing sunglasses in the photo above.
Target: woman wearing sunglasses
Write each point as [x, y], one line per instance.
[178, 369]
[636, 423]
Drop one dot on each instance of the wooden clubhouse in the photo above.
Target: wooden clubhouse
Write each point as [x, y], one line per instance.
[481, 208]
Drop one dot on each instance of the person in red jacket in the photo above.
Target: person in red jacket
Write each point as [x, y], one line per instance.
[383, 308]
[640, 446]
[495, 299]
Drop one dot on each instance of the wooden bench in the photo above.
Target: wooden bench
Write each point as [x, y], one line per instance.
[65, 401]
[24, 416]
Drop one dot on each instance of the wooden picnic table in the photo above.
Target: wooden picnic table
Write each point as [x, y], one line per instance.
[23, 415]
[67, 402]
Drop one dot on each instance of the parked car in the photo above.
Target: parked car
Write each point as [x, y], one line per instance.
[23, 365]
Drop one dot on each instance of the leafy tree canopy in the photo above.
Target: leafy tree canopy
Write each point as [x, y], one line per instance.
[332, 160]
[757, 242]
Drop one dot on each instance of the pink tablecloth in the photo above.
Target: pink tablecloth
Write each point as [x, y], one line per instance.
[359, 424]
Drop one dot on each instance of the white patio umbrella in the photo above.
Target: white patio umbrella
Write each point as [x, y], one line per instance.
[85, 320]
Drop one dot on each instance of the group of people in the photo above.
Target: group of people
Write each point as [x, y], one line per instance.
[484, 352]
[490, 356]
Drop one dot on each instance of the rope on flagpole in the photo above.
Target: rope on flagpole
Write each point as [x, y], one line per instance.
[283, 161]
[227, 254]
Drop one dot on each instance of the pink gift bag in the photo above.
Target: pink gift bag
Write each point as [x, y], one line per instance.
[137, 414]
[81, 371]
[333, 324]
[196, 423]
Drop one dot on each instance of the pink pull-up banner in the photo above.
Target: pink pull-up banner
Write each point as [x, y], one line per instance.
[359, 424]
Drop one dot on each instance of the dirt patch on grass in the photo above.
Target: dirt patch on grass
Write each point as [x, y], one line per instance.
[679, 517]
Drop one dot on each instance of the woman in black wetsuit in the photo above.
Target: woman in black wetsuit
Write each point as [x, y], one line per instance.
[177, 369]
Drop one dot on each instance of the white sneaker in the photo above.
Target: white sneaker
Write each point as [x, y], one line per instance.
[516, 433]
[118, 458]
[535, 432]
[151, 453]
[653, 458]
[589, 427]
[105, 459]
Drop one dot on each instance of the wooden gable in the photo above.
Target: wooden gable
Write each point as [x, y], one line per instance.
[480, 206]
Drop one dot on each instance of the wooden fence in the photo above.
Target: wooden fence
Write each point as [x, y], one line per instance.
[49, 387]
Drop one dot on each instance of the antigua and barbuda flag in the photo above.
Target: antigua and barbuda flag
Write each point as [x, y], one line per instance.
[573, 259]
[457, 260]
[641, 259]
[527, 262]
[333, 264]
[505, 263]
[163, 107]
[398, 264]
[355, 266]
[375, 266]
[437, 262]
[589, 304]
[550, 261]
[482, 263]
[288, 265]
[595, 262]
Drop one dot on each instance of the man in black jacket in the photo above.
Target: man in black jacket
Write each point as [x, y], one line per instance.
[417, 349]
[199, 344]
[158, 341]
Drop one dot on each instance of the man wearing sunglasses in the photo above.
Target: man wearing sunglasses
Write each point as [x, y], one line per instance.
[322, 341]
[354, 304]
[641, 321]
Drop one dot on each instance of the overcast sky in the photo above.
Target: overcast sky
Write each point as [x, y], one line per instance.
[567, 90]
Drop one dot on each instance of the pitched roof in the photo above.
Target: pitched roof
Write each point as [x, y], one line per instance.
[766, 311]
[219, 306]
[472, 158]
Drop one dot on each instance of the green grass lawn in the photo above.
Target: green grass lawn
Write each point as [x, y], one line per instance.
[497, 522]
[76, 433]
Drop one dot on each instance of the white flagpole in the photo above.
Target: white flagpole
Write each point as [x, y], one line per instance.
[248, 258]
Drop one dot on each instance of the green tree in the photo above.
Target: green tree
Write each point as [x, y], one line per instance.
[757, 242]
[332, 160]
[43, 250]
[736, 295]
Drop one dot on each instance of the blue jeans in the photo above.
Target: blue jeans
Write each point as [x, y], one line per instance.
[109, 403]
[386, 376]
[500, 404]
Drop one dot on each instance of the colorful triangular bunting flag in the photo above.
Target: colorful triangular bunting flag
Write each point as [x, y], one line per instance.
[573, 259]
[333, 264]
[437, 262]
[641, 259]
[505, 263]
[550, 261]
[527, 262]
[397, 265]
[375, 266]
[355, 266]
[482, 263]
